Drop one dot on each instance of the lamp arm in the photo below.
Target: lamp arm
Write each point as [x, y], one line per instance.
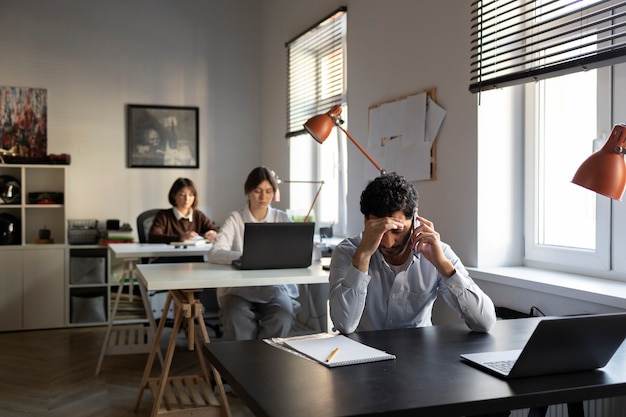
[367, 155]
[319, 190]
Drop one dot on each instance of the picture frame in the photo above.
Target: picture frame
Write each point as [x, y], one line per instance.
[24, 122]
[162, 136]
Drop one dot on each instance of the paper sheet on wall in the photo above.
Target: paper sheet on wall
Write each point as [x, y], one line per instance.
[402, 133]
[434, 118]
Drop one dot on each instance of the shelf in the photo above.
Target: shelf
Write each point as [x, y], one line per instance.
[33, 217]
[27, 279]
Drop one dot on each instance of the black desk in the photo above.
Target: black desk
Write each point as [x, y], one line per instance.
[427, 376]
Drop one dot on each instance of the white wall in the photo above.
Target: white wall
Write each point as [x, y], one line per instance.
[228, 58]
[395, 48]
[94, 58]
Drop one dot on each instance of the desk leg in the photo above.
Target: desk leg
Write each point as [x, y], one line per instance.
[224, 405]
[538, 411]
[130, 340]
[146, 305]
[155, 348]
[186, 395]
[168, 361]
[107, 335]
[575, 409]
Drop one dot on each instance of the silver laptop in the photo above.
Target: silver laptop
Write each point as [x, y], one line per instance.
[276, 246]
[558, 345]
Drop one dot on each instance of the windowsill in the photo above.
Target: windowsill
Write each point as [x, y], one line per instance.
[594, 290]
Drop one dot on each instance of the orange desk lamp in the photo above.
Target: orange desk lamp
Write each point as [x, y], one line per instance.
[604, 172]
[321, 125]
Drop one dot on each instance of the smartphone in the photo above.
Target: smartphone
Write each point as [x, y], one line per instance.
[416, 224]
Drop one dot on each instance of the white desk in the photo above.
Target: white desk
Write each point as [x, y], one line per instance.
[182, 280]
[153, 250]
[138, 338]
[188, 276]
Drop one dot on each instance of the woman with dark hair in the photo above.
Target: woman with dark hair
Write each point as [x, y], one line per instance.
[183, 221]
[253, 312]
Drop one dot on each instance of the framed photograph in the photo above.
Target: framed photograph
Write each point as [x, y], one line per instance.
[162, 136]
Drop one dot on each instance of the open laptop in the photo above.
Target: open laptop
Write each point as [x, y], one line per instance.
[558, 345]
[276, 246]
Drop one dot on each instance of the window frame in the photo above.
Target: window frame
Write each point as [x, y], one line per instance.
[601, 261]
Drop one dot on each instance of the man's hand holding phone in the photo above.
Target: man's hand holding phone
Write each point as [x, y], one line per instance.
[427, 242]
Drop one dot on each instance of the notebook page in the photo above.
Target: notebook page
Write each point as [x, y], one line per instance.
[348, 351]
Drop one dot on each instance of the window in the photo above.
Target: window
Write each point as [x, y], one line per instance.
[316, 82]
[567, 224]
[568, 58]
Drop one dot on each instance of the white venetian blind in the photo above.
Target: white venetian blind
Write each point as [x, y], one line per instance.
[315, 70]
[517, 41]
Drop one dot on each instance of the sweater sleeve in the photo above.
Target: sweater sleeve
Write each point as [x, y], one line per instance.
[161, 229]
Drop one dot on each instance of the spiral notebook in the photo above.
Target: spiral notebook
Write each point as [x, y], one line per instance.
[346, 351]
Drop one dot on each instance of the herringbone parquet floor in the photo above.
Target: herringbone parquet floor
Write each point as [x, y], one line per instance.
[51, 373]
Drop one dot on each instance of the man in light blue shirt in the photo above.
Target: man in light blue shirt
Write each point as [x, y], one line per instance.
[390, 275]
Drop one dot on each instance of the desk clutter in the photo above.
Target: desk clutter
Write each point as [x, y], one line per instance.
[88, 232]
[82, 232]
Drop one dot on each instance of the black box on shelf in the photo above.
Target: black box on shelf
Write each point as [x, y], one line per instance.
[45, 197]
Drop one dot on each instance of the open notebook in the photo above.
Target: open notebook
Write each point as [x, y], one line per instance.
[346, 351]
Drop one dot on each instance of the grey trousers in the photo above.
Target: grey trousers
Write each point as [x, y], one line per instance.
[245, 320]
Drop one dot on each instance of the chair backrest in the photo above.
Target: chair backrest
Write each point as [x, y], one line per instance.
[144, 222]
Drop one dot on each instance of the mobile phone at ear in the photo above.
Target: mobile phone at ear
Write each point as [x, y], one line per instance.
[416, 224]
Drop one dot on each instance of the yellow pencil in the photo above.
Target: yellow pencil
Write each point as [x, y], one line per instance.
[332, 354]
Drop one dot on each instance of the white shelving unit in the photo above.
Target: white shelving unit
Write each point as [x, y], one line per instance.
[32, 285]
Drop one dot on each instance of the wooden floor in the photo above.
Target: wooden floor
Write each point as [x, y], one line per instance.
[52, 373]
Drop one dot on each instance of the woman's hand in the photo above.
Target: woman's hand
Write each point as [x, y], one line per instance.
[210, 235]
[188, 236]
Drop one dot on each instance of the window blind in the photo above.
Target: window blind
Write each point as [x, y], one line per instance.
[518, 41]
[315, 71]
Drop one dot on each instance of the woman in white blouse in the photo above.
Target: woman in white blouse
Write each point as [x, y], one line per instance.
[253, 312]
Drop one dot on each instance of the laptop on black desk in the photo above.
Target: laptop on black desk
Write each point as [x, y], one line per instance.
[276, 246]
[558, 345]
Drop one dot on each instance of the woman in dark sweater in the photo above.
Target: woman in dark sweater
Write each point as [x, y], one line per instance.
[183, 221]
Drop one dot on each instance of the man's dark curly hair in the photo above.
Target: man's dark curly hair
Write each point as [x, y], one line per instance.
[388, 194]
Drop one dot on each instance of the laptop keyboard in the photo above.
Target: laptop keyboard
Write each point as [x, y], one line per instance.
[504, 366]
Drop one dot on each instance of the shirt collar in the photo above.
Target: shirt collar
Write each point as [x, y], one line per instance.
[249, 218]
[179, 216]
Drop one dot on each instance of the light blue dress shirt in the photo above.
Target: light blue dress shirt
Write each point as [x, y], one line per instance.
[384, 299]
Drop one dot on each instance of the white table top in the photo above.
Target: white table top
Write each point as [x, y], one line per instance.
[151, 250]
[192, 275]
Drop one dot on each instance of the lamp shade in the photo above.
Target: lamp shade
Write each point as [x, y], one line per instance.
[604, 172]
[321, 125]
